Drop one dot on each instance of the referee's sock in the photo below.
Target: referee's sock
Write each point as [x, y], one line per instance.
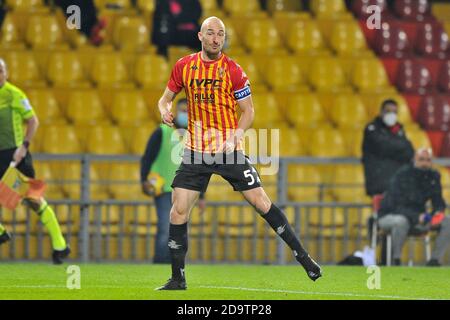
[277, 220]
[178, 245]
[49, 220]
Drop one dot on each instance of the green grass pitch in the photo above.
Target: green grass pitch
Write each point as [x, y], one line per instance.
[221, 282]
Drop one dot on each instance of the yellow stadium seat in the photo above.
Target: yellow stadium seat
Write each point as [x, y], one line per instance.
[122, 4]
[124, 181]
[347, 38]
[240, 8]
[140, 136]
[250, 67]
[326, 142]
[326, 74]
[65, 71]
[11, 37]
[304, 183]
[348, 184]
[261, 36]
[290, 144]
[266, 110]
[25, 5]
[129, 108]
[109, 71]
[151, 71]
[304, 38]
[233, 45]
[44, 32]
[53, 182]
[304, 111]
[23, 69]
[131, 34]
[146, 6]
[328, 8]
[369, 76]
[418, 138]
[447, 27]
[45, 106]
[353, 139]
[60, 139]
[326, 217]
[105, 140]
[283, 5]
[85, 107]
[445, 181]
[349, 112]
[282, 73]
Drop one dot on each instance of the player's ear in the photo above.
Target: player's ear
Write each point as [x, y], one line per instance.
[200, 36]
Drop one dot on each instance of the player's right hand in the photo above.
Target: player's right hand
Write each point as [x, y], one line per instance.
[148, 189]
[167, 118]
[19, 154]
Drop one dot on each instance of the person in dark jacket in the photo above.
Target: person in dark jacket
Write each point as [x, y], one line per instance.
[385, 149]
[404, 206]
[176, 23]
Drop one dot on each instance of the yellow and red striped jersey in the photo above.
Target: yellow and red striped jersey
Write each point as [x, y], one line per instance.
[213, 89]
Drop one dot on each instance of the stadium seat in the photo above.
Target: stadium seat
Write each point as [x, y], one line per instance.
[326, 74]
[290, 144]
[233, 44]
[240, 8]
[369, 76]
[23, 69]
[109, 71]
[151, 71]
[44, 32]
[413, 77]
[114, 4]
[304, 111]
[129, 108]
[267, 112]
[348, 184]
[353, 139]
[418, 138]
[140, 136]
[60, 139]
[45, 106]
[11, 37]
[25, 5]
[131, 34]
[445, 149]
[65, 71]
[444, 78]
[347, 39]
[328, 8]
[432, 41]
[349, 112]
[105, 140]
[326, 142]
[282, 73]
[445, 181]
[392, 41]
[283, 5]
[412, 10]
[261, 36]
[124, 181]
[146, 6]
[434, 113]
[53, 182]
[84, 107]
[360, 7]
[304, 38]
[304, 183]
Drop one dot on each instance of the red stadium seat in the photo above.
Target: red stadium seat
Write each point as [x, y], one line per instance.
[412, 10]
[444, 78]
[359, 7]
[434, 113]
[413, 77]
[432, 40]
[436, 138]
[391, 66]
[392, 41]
[445, 149]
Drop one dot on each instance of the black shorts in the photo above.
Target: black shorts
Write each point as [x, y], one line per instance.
[196, 170]
[25, 166]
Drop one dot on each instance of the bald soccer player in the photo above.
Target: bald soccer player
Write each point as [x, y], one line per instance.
[15, 109]
[404, 206]
[215, 87]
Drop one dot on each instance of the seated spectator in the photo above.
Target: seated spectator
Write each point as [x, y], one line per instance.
[404, 206]
[176, 23]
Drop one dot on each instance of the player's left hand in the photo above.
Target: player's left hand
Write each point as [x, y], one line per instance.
[19, 154]
[228, 147]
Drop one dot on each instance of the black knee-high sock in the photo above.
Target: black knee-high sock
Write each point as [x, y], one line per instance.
[178, 244]
[277, 220]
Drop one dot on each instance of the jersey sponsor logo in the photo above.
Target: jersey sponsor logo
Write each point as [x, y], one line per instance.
[204, 98]
[281, 229]
[204, 83]
[173, 245]
[243, 93]
[26, 104]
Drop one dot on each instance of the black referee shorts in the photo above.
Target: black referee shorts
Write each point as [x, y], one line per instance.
[196, 169]
[25, 166]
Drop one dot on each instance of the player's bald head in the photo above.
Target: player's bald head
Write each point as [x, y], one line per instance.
[2, 64]
[212, 23]
[3, 72]
[423, 158]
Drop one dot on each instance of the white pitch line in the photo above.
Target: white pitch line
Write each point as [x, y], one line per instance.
[345, 294]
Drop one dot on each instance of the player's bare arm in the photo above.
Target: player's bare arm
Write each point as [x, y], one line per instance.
[31, 127]
[165, 106]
